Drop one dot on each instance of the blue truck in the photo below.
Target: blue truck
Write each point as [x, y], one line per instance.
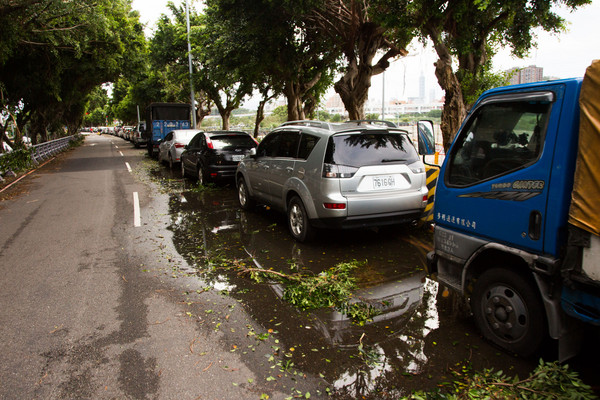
[162, 118]
[517, 213]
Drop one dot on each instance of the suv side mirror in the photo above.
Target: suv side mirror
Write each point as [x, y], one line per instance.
[252, 152]
[425, 137]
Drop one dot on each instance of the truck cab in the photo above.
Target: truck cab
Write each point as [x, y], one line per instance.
[502, 209]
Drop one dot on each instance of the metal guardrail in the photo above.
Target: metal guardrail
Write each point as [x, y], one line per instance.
[45, 150]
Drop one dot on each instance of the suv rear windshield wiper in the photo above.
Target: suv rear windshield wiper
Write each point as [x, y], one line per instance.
[389, 160]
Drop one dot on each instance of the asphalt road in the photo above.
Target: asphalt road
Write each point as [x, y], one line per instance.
[103, 300]
[87, 307]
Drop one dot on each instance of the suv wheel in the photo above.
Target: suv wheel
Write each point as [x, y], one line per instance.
[171, 163]
[182, 169]
[246, 202]
[298, 223]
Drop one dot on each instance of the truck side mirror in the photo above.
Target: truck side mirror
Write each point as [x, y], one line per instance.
[425, 137]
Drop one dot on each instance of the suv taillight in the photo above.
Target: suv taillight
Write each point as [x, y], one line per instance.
[179, 145]
[338, 171]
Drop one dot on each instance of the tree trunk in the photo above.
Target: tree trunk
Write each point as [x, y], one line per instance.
[260, 116]
[353, 89]
[293, 94]
[203, 109]
[454, 109]
[225, 116]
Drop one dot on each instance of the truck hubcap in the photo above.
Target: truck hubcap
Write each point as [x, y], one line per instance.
[506, 313]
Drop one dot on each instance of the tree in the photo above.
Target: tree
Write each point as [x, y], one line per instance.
[468, 32]
[169, 69]
[57, 52]
[272, 46]
[360, 39]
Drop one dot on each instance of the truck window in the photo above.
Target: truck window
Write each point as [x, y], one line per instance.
[499, 138]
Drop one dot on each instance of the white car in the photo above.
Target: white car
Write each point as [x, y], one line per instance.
[172, 145]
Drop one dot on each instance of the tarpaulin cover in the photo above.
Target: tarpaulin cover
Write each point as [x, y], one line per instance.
[585, 202]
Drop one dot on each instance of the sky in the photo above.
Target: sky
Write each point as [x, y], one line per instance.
[562, 56]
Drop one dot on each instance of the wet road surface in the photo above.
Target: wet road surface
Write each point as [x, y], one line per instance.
[422, 333]
[157, 311]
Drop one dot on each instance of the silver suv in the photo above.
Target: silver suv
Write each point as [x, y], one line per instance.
[326, 175]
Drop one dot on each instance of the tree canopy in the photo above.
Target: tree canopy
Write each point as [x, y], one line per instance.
[468, 33]
[54, 53]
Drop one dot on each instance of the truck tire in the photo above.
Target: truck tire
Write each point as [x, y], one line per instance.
[508, 311]
[298, 222]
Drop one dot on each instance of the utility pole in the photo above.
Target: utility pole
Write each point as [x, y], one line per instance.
[192, 97]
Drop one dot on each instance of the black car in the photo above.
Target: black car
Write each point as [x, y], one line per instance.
[215, 155]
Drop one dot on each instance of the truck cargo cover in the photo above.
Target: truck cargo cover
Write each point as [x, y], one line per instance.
[585, 203]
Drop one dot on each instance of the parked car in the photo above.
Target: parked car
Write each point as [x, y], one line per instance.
[215, 155]
[138, 138]
[326, 175]
[170, 149]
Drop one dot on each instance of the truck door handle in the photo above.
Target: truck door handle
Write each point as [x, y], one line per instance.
[535, 225]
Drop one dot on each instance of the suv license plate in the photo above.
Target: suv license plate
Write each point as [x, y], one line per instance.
[237, 157]
[384, 182]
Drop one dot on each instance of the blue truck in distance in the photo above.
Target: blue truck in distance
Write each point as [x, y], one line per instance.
[517, 213]
[162, 118]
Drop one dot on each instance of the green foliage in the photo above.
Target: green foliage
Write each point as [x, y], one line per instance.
[55, 53]
[550, 380]
[20, 159]
[330, 288]
[474, 85]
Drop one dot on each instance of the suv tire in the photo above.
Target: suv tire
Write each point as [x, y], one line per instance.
[298, 222]
[246, 202]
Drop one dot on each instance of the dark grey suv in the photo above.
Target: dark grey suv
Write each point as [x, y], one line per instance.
[325, 175]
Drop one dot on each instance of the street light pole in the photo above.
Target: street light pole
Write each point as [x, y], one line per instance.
[192, 97]
[383, 96]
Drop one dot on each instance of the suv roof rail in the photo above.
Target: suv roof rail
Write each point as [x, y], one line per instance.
[372, 121]
[308, 122]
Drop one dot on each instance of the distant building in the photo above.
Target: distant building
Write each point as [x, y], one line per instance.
[526, 75]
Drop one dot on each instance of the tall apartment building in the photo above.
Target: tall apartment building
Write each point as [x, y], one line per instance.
[526, 75]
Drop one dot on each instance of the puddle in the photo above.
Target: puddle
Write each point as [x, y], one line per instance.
[419, 334]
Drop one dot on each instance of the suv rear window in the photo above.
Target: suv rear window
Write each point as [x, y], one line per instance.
[370, 148]
[227, 142]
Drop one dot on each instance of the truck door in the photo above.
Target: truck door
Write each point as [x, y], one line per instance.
[494, 184]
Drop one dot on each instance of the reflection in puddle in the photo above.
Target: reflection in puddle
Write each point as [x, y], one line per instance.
[209, 228]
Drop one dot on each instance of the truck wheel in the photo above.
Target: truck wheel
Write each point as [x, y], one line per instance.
[298, 223]
[508, 311]
[246, 202]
